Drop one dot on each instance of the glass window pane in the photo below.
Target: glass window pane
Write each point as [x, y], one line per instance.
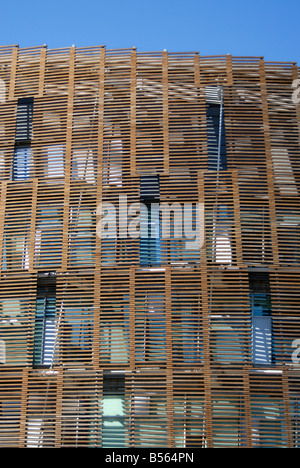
[21, 164]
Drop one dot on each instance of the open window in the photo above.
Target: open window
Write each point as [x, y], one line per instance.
[22, 154]
[45, 332]
[260, 297]
[150, 234]
[216, 142]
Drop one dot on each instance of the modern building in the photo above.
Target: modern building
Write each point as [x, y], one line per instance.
[149, 249]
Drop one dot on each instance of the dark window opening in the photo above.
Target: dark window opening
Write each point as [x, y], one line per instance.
[24, 120]
[22, 154]
[45, 328]
[150, 235]
[216, 141]
[262, 335]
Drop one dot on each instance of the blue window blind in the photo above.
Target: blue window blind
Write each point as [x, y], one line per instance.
[24, 120]
[262, 334]
[22, 154]
[21, 163]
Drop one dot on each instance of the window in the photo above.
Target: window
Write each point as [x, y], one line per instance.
[10, 417]
[48, 237]
[149, 411]
[262, 341]
[54, 160]
[189, 424]
[216, 143]
[22, 154]
[267, 420]
[220, 241]
[112, 163]
[16, 237]
[45, 335]
[14, 330]
[150, 328]
[113, 420]
[114, 331]
[81, 237]
[2, 352]
[21, 166]
[84, 165]
[150, 236]
[24, 120]
[187, 330]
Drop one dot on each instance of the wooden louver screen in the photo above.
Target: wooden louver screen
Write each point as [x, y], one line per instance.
[128, 342]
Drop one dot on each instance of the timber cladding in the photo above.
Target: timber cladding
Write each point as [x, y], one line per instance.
[148, 341]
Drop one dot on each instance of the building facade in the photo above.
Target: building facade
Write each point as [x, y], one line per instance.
[149, 249]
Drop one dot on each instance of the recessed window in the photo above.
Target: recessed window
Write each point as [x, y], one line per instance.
[262, 339]
[150, 233]
[24, 120]
[44, 337]
[113, 418]
[22, 153]
[216, 143]
[21, 164]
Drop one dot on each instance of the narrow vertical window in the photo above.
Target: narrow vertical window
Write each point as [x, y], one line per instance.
[113, 420]
[21, 166]
[150, 240]
[24, 120]
[262, 340]
[216, 143]
[44, 338]
[22, 154]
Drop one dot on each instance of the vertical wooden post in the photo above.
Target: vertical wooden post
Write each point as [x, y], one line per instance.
[13, 72]
[287, 409]
[98, 247]
[33, 224]
[237, 217]
[229, 70]
[97, 313]
[206, 322]
[165, 90]
[133, 115]
[269, 165]
[169, 373]
[42, 71]
[23, 417]
[197, 70]
[132, 318]
[66, 208]
[247, 404]
[2, 219]
[295, 76]
[59, 408]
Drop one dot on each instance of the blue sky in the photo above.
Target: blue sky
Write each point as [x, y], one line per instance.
[243, 28]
